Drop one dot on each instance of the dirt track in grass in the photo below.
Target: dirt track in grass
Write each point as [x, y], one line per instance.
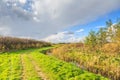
[37, 69]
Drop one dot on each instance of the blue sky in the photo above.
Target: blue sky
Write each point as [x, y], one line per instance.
[96, 24]
[55, 20]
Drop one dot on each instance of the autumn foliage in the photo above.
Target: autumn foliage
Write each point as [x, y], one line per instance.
[10, 43]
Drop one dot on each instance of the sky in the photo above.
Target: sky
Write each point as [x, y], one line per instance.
[55, 20]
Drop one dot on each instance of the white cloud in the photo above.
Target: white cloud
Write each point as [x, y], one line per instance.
[41, 18]
[22, 1]
[80, 30]
[63, 37]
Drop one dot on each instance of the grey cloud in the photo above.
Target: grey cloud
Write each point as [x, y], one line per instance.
[52, 15]
[69, 33]
[14, 10]
[83, 11]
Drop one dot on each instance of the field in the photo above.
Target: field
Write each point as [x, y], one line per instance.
[59, 39]
[32, 64]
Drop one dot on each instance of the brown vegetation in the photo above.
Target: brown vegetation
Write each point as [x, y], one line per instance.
[111, 48]
[9, 43]
[97, 62]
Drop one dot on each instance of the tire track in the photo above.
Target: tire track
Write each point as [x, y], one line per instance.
[37, 68]
[23, 67]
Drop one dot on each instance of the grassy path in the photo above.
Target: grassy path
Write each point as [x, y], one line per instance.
[34, 65]
[37, 68]
[29, 71]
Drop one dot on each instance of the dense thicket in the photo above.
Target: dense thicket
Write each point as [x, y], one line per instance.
[106, 39]
[10, 43]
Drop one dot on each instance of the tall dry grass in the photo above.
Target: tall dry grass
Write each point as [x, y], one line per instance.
[105, 64]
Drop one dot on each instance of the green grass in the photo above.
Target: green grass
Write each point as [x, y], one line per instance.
[30, 73]
[11, 67]
[15, 67]
[4, 66]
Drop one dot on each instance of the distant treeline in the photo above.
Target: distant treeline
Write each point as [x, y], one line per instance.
[10, 44]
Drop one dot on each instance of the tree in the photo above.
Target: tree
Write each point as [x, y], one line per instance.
[91, 40]
[117, 33]
[109, 23]
[102, 37]
[110, 28]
